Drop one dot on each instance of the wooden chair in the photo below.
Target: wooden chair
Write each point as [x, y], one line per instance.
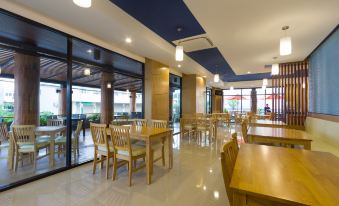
[55, 122]
[25, 143]
[60, 141]
[204, 126]
[125, 151]
[4, 136]
[244, 130]
[159, 145]
[101, 146]
[228, 158]
[187, 125]
[140, 122]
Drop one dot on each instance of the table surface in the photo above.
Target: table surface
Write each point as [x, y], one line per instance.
[49, 128]
[284, 174]
[278, 133]
[268, 122]
[144, 132]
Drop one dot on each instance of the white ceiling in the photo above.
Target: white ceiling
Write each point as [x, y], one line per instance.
[105, 22]
[247, 32]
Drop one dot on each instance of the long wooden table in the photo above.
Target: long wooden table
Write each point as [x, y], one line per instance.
[267, 123]
[50, 131]
[149, 135]
[279, 136]
[283, 176]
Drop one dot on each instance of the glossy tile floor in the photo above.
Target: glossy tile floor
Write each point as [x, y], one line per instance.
[195, 179]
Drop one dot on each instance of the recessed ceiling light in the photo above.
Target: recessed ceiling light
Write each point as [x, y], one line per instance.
[128, 40]
[89, 51]
[179, 65]
[83, 3]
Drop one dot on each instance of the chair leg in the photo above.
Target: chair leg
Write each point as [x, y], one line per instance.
[102, 162]
[130, 169]
[16, 161]
[163, 155]
[114, 168]
[94, 162]
[34, 159]
[107, 166]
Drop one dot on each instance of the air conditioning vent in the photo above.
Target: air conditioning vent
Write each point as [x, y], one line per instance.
[195, 43]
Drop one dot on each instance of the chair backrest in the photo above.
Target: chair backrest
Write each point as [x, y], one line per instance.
[159, 123]
[78, 129]
[228, 158]
[24, 134]
[235, 139]
[204, 122]
[140, 122]
[55, 122]
[99, 135]
[3, 132]
[244, 130]
[120, 138]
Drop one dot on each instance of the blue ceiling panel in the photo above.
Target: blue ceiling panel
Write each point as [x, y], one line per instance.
[212, 60]
[247, 77]
[163, 17]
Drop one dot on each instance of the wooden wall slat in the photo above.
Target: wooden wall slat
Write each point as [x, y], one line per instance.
[289, 97]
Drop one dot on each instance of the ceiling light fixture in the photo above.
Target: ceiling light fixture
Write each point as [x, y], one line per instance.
[89, 51]
[216, 78]
[128, 40]
[83, 3]
[179, 53]
[109, 85]
[127, 90]
[179, 65]
[0, 70]
[264, 82]
[87, 72]
[285, 43]
[231, 88]
[248, 72]
[275, 69]
[304, 85]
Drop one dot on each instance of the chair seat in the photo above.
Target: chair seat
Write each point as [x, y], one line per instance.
[26, 148]
[203, 128]
[42, 142]
[188, 126]
[103, 148]
[43, 138]
[136, 151]
[60, 140]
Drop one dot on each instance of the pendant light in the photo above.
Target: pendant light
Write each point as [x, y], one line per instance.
[275, 69]
[179, 53]
[109, 85]
[285, 43]
[264, 82]
[83, 3]
[216, 78]
[87, 72]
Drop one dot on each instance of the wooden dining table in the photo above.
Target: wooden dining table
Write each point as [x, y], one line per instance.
[50, 131]
[150, 135]
[284, 176]
[267, 123]
[279, 136]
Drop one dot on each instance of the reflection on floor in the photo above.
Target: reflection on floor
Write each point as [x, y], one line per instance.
[195, 179]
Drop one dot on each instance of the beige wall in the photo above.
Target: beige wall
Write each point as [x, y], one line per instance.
[193, 94]
[324, 133]
[156, 90]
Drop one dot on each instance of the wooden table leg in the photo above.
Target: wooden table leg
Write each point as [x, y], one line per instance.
[170, 149]
[148, 162]
[307, 145]
[239, 199]
[51, 152]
